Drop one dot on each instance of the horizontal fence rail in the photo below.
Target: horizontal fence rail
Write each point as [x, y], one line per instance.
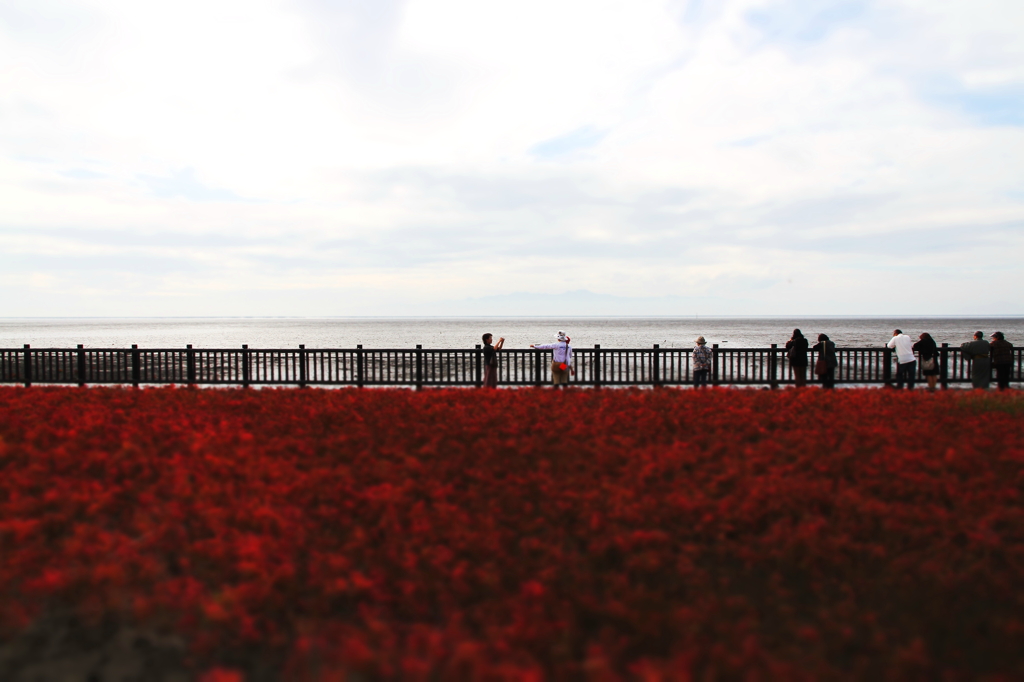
[421, 367]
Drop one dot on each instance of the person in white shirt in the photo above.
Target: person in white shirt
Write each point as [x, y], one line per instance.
[906, 363]
[561, 361]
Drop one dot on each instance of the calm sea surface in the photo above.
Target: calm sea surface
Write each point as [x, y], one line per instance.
[615, 332]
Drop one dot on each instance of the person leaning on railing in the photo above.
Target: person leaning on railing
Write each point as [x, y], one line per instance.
[561, 360]
[796, 351]
[978, 351]
[701, 363]
[906, 363]
[827, 362]
[1002, 359]
[928, 351]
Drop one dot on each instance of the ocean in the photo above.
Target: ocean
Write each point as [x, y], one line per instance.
[519, 332]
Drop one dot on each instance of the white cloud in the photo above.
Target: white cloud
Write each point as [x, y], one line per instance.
[376, 158]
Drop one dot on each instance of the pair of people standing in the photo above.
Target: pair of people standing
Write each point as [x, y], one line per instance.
[985, 355]
[825, 367]
[906, 361]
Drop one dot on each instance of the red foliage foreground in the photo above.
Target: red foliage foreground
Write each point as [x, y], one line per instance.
[525, 534]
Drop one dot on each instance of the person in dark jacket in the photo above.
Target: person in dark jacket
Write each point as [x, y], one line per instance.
[1002, 359]
[796, 351]
[826, 350]
[928, 353]
[491, 360]
[978, 352]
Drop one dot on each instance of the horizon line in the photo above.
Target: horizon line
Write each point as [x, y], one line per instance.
[516, 317]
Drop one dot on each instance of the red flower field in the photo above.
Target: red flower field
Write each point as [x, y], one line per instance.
[529, 534]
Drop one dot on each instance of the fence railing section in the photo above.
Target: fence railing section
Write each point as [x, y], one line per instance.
[442, 367]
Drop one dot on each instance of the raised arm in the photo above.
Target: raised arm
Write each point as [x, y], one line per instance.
[545, 346]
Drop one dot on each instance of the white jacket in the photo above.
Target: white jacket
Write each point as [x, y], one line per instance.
[562, 351]
[904, 348]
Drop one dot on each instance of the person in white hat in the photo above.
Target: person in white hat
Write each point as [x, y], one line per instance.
[701, 363]
[561, 359]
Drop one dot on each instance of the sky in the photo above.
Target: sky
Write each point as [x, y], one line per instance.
[453, 157]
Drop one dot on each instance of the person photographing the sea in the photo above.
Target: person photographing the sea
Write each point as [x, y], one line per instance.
[561, 358]
[491, 360]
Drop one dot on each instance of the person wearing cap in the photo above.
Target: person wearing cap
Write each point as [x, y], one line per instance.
[1001, 355]
[561, 358]
[906, 363]
[701, 363]
[977, 352]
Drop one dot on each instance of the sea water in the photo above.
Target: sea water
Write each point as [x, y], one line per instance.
[519, 332]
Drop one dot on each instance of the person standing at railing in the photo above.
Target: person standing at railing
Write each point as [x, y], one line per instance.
[701, 363]
[491, 360]
[1002, 359]
[561, 359]
[978, 351]
[928, 351]
[796, 351]
[906, 363]
[825, 367]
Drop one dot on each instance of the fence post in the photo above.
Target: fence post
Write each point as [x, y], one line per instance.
[944, 366]
[136, 369]
[302, 365]
[887, 370]
[28, 366]
[419, 366]
[190, 365]
[245, 365]
[478, 379]
[81, 365]
[597, 365]
[537, 365]
[714, 364]
[656, 366]
[359, 365]
[773, 367]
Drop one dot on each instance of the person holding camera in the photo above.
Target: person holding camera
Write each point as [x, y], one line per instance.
[491, 360]
[561, 359]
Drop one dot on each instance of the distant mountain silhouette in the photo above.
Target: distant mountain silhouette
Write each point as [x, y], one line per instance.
[583, 303]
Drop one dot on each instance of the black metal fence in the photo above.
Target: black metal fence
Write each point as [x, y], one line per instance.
[421, 367]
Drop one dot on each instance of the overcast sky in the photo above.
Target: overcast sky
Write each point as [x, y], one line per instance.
[391, 157]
